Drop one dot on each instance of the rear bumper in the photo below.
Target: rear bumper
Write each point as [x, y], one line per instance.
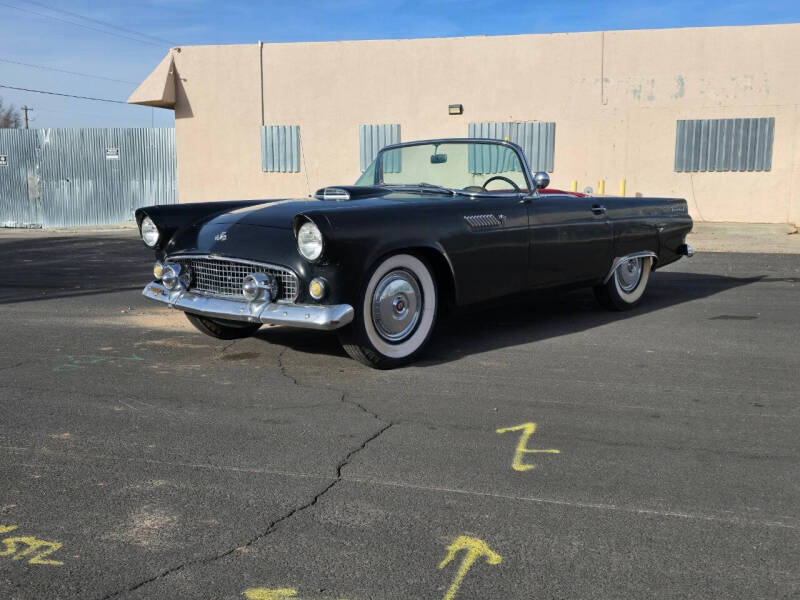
[309, 316]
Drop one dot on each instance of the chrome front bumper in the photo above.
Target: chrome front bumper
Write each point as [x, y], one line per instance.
[310, 316]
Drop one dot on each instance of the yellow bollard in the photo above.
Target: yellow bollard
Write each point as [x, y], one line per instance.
[573, 186]
[601, 187]
[622, 187]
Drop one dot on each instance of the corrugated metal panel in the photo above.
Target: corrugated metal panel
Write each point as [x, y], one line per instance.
[703, 145]
[373, 138]
[280, 148]
[19, 189]
[537, 139]
[90, 176]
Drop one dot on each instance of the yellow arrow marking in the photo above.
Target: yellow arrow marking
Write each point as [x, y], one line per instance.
[7, 528]
[266, 594]
[475, 548]
[527, 430]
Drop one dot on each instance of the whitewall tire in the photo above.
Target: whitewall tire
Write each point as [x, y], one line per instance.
[627, 284]
[396, 313]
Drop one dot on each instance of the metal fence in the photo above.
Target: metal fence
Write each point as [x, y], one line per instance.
[69, 177]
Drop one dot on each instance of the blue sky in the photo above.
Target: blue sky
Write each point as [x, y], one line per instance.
[42, 40]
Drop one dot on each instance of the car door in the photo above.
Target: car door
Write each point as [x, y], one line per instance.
[489, 250]
[571, 240]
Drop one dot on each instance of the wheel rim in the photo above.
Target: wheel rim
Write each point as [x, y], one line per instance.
[629, 273]
[396, 305]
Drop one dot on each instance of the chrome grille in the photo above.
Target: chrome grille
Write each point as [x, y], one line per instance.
[223, 278]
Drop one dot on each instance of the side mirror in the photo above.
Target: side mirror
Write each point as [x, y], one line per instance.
[541, 180]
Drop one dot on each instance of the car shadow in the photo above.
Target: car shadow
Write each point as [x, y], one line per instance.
[525, 319]
[36, 267]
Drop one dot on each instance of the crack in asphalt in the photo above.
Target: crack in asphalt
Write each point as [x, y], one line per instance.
[273, 525]
[218, 354]
[282, 368]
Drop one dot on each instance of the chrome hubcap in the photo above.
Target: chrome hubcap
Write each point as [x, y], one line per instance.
[629, 273]
[396, 305]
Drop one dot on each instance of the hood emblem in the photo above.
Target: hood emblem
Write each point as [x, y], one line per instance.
[221, 237]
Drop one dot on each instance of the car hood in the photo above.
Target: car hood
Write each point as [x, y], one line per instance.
[281, 213]
[270, 213]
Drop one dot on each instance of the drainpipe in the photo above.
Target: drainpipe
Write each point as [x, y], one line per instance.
[261, 76]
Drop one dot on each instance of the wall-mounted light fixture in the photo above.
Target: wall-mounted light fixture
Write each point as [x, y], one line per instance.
[455, 109]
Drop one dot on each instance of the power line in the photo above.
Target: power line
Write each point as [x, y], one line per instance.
[11, 87]
[14, 62]
[99, 22]
[111, 33]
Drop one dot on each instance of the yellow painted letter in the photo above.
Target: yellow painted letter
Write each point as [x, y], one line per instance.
[527, 430]
[41, 548]
[475, 548]
[265, 594]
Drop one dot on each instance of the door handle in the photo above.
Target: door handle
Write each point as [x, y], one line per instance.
[598, 209]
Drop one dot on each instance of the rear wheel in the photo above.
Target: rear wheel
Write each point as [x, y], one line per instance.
[396, 314]
[627, 283]
[221, 328]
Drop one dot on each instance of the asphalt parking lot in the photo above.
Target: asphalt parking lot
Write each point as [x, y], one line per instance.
[141, 459]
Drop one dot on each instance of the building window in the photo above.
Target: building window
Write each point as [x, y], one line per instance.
[724, 145]
[375, 137]
[280, 148]
[537, 139]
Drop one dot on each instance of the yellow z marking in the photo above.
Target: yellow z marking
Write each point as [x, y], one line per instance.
[33, 547]
[527, 430]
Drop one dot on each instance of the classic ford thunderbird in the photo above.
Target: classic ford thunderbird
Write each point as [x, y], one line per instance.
[430, 225]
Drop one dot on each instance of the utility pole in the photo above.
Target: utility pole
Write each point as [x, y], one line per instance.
[26, 108]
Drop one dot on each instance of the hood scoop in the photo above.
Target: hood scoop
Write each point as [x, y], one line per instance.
[341, 193]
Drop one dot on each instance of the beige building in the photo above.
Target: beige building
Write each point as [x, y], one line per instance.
[615, 98]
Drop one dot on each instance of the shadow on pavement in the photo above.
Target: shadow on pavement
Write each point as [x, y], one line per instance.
[44, 267]
[526, 319]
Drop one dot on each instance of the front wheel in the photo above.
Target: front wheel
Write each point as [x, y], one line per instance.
[396, 314]
[223, 329]
[627, 283]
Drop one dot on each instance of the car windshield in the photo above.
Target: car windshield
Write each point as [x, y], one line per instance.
[471, 167]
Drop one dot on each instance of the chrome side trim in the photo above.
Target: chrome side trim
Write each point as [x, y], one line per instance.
[308, 316]
[620, 259]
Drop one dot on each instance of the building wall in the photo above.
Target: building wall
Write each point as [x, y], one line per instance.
[614, 96]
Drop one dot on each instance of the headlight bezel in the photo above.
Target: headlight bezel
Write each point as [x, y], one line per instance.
[310, 236]
[148, 228]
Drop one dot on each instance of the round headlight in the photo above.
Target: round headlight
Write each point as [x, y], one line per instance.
[309, 241]
[170, 276]
[149, 232]
[158, 269]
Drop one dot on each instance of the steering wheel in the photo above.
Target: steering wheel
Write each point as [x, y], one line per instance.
[501, 178]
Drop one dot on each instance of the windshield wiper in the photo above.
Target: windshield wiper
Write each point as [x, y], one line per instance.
[424, 185]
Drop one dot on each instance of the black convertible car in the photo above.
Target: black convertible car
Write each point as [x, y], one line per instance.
[430, 224]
